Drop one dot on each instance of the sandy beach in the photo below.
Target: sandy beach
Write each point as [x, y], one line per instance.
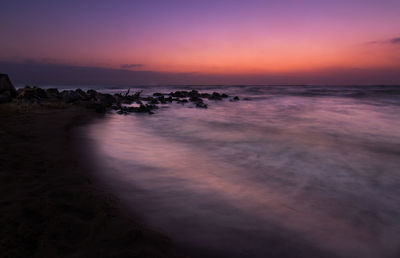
[49, 205]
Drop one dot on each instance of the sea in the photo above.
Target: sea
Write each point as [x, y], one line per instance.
[286, 171]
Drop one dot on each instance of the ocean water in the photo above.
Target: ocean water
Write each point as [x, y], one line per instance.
[288, 171]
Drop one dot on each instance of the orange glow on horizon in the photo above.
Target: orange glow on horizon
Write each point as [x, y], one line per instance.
[213, 37]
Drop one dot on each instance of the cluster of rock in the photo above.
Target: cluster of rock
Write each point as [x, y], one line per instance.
[100, 102]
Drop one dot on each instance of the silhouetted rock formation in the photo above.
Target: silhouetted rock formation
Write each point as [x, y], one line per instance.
[7, 89]
[101, 102]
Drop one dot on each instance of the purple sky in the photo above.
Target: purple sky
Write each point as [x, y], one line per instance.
[256, 42]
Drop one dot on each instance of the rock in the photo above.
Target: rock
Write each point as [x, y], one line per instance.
[151, 100]
[162, 99]
[179, 94]
[205, 95]
[101, 102]
[26, 93]
[31, 94]
[52, 93]
[146, 108]
[19, 91]
[106, 99]
[91, 94]
[118, 95]
[201, 105]
[216, 96]
[154, 101]
[69, 96]
[143, 108]
[7, 86]
[82, 94]
[194, 94]
[39, 93]
[195, 99]
[136, 95]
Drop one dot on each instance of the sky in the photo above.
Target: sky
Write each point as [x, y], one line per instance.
[224, 41]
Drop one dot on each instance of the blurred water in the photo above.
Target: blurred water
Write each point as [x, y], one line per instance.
[286, 172]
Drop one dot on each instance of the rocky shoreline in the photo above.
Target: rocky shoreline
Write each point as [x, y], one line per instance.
[49, 207]
[123, 103]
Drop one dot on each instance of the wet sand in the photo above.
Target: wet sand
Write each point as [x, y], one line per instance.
[49, 207]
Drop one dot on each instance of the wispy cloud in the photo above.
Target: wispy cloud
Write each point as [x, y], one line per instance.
[393, 41]
[129, 66]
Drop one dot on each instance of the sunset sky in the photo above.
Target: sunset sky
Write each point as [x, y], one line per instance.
[209, 38]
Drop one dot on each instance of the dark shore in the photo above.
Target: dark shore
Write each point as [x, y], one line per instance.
[49, 206]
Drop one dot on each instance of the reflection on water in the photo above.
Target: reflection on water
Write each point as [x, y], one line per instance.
[291, 172]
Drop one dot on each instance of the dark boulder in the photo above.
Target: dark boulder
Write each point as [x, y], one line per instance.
[6, 85]
[143, 108]
[162, 100]
[82, 94]
[106, 99]
[120, 99]
[195, 99]
[205, 95]
[216, 96]
[52, 93]
[7, 89]
[26, 93]
[179, 94]
[201, 105]
[199, 102]
[194, 94]
[146, 108]
[69, 96]
[91, 94]
[39, 92]
[29, 94]
[153, 101]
